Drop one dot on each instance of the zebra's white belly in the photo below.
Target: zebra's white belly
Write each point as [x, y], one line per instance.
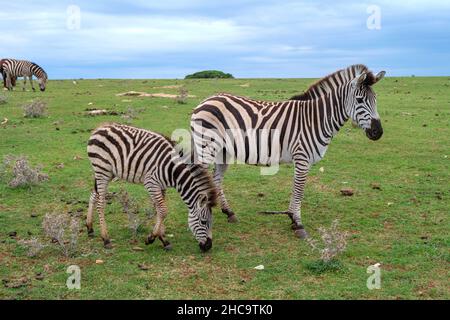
[249, 148]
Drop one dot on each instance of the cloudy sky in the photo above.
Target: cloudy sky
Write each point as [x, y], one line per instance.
[248, 38]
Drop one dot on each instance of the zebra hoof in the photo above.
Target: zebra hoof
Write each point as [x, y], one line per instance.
[90, 233]
[168, 247]
[107, 244]
[232, 218]
[301, 233]
[150, 240]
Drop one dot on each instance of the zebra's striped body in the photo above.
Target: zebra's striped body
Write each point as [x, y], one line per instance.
[12, 69]
[3, 73]
[227, 128]
[140, 156]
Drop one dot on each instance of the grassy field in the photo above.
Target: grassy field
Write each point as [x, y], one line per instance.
[404, 226]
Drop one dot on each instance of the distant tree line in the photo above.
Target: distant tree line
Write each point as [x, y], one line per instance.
[208, 74]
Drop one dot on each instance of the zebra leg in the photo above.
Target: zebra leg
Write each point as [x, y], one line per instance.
[101, 188]
[24, 83]
[294, 212]
[158, 197]
[92, 204]
[32, 85]
[219, 171]
[8, 81]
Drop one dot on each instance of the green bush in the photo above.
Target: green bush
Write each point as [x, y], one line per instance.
[210, 74]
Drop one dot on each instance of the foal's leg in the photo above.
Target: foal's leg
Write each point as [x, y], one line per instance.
[89, 218]
[102, 187]
[158, 197]
[219, 171]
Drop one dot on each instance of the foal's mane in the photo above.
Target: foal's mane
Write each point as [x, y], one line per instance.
[325, 85]
[200, 174]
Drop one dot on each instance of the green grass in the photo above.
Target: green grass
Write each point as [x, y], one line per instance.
[409, 237]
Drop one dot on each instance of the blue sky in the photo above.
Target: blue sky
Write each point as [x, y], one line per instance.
[248, 38]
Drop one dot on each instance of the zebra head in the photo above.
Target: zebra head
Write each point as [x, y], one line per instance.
[362, 104]
[42, 83]
[200, 221]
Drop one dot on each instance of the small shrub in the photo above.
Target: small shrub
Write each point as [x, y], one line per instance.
[334, 242]
[33, 245]
[35, 109]
[132, 208]
[3, 99]
[182, 96]
[20, 172]
[63, 230]
[129, 115]
[320, 266]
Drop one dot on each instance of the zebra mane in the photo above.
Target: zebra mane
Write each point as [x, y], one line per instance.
[41, 69]
[325, 85]
[199, 173]
[202, 176]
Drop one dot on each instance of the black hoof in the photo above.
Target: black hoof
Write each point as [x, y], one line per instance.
[150, 240]
[232, 218]
[168, 247]
[301, 233]
[90, 233]
[107, 244]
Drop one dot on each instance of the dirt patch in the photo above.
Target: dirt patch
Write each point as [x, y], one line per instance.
[176, 86]
[150, 95]
[101, 112]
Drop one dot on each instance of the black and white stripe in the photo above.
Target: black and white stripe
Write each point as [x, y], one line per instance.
[141, 156]
[12, 69]
[227, 128]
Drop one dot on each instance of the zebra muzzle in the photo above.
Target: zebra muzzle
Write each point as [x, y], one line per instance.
[375, 131]
[205, 246]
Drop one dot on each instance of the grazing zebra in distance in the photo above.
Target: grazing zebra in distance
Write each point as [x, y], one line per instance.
[13, 69]
[3, 73]
[301, 127]
[141, 156]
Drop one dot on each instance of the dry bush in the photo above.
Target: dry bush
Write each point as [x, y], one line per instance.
[3, 99]
[63, 230]
[182, 96]
[129, 115]
[35, 109]
[33, 245]
[334, 242]
[132, 208]
[20, 172]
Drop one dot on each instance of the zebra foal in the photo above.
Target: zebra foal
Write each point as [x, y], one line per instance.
[12, 69]
[141, 156]
[226, 128]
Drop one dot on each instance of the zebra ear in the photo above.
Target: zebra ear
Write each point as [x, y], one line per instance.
[359, 80]
[379, 76]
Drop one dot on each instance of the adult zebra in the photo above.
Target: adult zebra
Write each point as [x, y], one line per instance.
[3, 73]
[140, 156]
[13, 69]
[227, 128]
